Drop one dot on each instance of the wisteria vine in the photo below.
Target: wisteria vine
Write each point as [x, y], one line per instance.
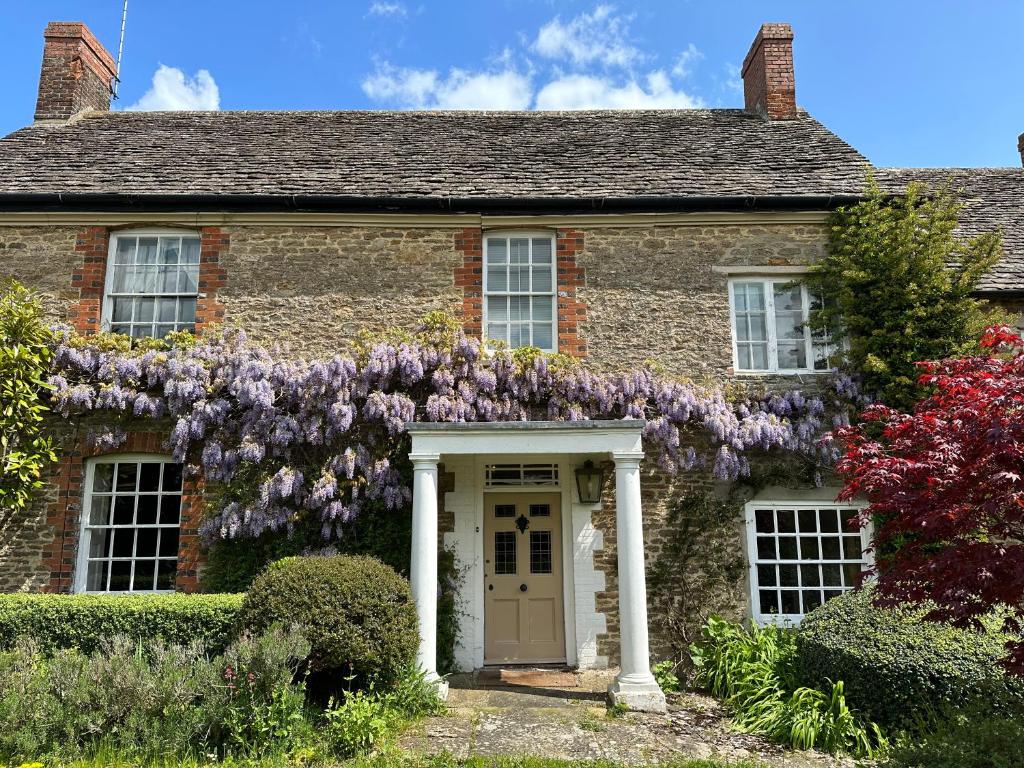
[285, 442]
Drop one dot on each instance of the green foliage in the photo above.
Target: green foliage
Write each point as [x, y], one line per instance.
[155, 702]
[25, 351]
[902, 670]
[359, 723]
[968, 740]
[357, 612]
[754, 672]
[665, 675]
[899, 285]
[84, 622]
[697, 565]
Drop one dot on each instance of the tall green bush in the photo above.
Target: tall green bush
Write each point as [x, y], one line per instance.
[85, 622]
[899, 286]
[357, 613]
[25, 351]
[900, 670]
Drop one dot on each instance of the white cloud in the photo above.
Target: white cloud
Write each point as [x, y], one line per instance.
[173, 91]
[733, 78]
[686, 61]
[425, 89]
[600, 36]
[590, 92]
[380, 8]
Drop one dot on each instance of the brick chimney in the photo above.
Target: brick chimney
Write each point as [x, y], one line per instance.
[768, 84]
[77, 72]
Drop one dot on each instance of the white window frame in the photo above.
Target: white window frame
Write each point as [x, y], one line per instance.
[106, 316]
[767, 282]
[553, 293]
[80, 583]
[793, 619]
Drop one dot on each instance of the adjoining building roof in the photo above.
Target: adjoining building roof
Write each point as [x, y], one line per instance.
[993, 200]
[466, 156]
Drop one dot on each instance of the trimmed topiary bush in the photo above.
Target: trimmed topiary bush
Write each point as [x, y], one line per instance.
[84, 622]
[900, 670]
[356, 612]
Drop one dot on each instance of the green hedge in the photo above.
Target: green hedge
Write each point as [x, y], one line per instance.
[356, 612]
[85, 621]
[900, 670]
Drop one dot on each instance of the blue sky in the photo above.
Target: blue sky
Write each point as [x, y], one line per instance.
[907, 82]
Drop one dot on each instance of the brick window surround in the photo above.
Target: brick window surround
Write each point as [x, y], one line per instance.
[572, 311]
[93, 243]
[64, 513]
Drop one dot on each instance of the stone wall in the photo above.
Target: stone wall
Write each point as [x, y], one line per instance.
[314, 289]
[44, 259]
[652, 294]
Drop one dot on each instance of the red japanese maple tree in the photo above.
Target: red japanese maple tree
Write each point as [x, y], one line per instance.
[946, 488]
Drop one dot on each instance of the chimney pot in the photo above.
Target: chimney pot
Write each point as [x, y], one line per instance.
[769, 87]
[77, 72]
[1020, 147]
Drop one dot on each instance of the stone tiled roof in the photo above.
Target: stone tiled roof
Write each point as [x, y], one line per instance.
[462, 155]
[993, 200]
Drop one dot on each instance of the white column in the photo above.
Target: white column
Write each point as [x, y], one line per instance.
[635, 686]
[423, 570]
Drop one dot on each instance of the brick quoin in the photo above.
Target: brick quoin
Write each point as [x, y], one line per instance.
[571, 310]
[64, 513]
[89, 277]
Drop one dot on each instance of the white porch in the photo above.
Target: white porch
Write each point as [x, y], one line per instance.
[466, 450]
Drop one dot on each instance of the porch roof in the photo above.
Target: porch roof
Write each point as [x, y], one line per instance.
[527, 437]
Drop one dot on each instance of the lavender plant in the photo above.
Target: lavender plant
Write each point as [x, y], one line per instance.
[286, 442]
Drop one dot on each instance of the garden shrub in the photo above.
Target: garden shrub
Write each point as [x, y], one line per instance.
[754, 672]
[899, 669]
[85, 622]
[159, 702]
[967, 740]
[357, 612]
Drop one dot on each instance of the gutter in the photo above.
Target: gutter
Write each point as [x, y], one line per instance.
[60, 201]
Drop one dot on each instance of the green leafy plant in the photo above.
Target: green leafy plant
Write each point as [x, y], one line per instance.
[754, 672]
[85, 622]
[899, 285]
[360, 722]
[968, 739]
[665, 675]
[356, 612]
[25, 351]
[903, 671]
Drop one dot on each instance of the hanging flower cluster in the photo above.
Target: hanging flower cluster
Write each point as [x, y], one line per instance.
[286, 442]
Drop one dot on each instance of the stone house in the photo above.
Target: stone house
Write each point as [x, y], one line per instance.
[613, 236]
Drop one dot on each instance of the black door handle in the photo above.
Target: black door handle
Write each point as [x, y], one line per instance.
[522, 587]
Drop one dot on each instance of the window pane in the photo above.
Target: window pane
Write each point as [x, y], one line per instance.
[122, 309]
[518, 308]
[754, 293]
[518, 336]
[542, 250]
[497, 332]
[124, 542]
[810, 575]
[504, 553]
[145, 545]
[103, 478]
[787, 520]
[788, 576]
[765, 520]
[190, 250]
[504, 510]
[126, 475]
[497, 251]
[99, 542]
[169, 248]
[165, 573]
[122, 282]
[790, 602]
[99, 510]
[169, 542]
[830, 575]
[519, 250]
[766, 548]
[188, 279]
[789, 325]
[759, 357]
[829, 520]
[787, 548]
[167, 311]
[144, 310]
[812, 599]
[497, 278]
[187, 311]
[540, 552]
[96, 580]
[830, 548]
[170, 509]
[787, 297]
[497, 308]
[147, 251]
[769, 600]
[172, 477]
[146, 512]
[145, 570]
[852, 547]
[149, 477]
[542, 308]
[541, 279]
[808, 520]
[542, 336]
[519, 279]
[120, 575]
[167, 279]
[793, 355]
[124, 510]
[758, 328]
[125, 251]
[766, 576]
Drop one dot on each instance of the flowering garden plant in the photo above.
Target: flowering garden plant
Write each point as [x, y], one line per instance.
[284, 442]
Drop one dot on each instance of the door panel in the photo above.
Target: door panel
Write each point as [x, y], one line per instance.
[523, 615]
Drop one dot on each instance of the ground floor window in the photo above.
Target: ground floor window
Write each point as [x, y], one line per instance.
[802, 554]
[130, 524]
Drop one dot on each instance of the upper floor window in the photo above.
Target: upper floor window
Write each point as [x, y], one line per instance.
[130, 525]
[802, 554]
[770, 330]
[152, 283]
[519, 290]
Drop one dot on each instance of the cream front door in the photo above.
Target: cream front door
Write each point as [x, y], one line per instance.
[523, 620]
